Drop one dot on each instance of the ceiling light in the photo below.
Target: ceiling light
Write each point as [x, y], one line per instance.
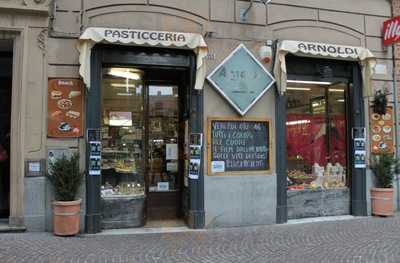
[124, 94]
[309, 82]
[121, 85]
[340, 100]
[298, 88]
[124, 73]
[336, 90]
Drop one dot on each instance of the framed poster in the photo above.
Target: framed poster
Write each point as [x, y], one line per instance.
[238, 146]
[382, 132]
[65, 108]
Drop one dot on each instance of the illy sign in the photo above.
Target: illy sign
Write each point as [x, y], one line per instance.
[391, 31]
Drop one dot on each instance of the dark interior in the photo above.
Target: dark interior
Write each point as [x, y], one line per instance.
[6, 57]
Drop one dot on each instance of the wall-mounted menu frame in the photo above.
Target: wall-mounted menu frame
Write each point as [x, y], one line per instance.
[382, 132]
[250, 137]
[65, 108]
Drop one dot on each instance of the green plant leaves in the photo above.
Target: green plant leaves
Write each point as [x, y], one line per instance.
[384, 167]
[65, 177]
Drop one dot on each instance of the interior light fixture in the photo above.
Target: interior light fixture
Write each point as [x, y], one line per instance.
[336, 90]
[310, 82]
[340, 100]
[298, 88]
[124, 94]
[124, 73]
[121, 85]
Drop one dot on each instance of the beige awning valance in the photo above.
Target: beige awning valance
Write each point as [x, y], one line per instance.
[321, 50]
[134, 37]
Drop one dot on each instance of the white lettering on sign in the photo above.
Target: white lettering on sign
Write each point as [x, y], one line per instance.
[391, 31]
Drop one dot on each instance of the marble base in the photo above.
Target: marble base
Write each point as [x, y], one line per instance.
[123, 212]
[318, 202]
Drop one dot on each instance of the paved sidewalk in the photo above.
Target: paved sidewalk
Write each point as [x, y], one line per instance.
[356, 240]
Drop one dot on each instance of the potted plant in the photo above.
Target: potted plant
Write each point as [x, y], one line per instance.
[65, 177]
[380, 102]
[384, 167]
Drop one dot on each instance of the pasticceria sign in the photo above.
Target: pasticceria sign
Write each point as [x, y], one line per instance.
[145, 35]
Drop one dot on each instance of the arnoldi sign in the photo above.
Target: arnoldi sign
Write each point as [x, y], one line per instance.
[391, 31]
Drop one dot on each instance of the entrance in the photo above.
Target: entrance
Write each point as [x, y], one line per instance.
[317, 152]
[6, 58]
[323, 104]
[144, 103]
[142, 144]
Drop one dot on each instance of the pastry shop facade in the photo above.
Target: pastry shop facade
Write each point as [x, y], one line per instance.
[186, 116]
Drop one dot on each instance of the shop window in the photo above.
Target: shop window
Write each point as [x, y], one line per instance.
[122, 133]
[316, 135]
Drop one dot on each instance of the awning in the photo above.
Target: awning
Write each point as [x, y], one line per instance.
[320, 50]
[93, 35]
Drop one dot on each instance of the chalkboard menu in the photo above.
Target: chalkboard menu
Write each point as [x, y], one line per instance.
[238, 145]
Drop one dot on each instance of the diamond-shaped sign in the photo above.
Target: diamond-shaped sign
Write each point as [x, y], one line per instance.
[241, 79]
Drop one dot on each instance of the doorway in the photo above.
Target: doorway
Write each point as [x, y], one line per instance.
[317, 149]
[333, 93]
[143, 137]
[6, 63]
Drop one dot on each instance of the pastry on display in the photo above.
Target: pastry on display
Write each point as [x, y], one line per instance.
[376, 116]
[387, 137]
[56, 94]
[65, 127]
[376, 138]
[382, 146]
[376, 129]
[64, 104]
[387, 117]
[387, 129]
[73, 114]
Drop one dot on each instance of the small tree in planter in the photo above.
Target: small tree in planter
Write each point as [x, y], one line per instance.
[384, 167]
[65, 177]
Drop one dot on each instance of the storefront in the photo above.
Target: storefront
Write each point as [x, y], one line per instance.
[199, 113]
[326, 89]
[143, 87]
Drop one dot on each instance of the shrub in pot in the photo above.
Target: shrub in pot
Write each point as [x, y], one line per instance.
[380, 102]
[384, 167]
[65, 177]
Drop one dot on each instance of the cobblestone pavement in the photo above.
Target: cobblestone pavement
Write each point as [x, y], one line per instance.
[356, 240]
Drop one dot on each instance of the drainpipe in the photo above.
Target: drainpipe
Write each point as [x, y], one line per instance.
[396, 126]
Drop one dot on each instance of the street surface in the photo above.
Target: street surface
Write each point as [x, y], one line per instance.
[355, 240]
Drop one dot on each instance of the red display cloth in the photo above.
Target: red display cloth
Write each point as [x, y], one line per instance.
[306, 136]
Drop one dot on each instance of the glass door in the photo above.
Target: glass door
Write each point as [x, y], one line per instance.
[163, 151]
[123, 181]
[317, 152]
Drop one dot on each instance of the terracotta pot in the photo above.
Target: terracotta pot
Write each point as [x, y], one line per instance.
[66, 217]
[382, 201]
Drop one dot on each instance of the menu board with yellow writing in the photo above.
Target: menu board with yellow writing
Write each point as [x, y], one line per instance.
[65, 105]
[382, 134]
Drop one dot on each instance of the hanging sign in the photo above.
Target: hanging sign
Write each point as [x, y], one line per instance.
[391, 31]
[238, 146]
[65, 108]
[241, 79]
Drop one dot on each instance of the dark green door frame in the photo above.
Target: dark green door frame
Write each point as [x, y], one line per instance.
[143, 58]
[306, 69]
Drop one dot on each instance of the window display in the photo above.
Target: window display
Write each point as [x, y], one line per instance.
[316, 136]
[122, 133]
